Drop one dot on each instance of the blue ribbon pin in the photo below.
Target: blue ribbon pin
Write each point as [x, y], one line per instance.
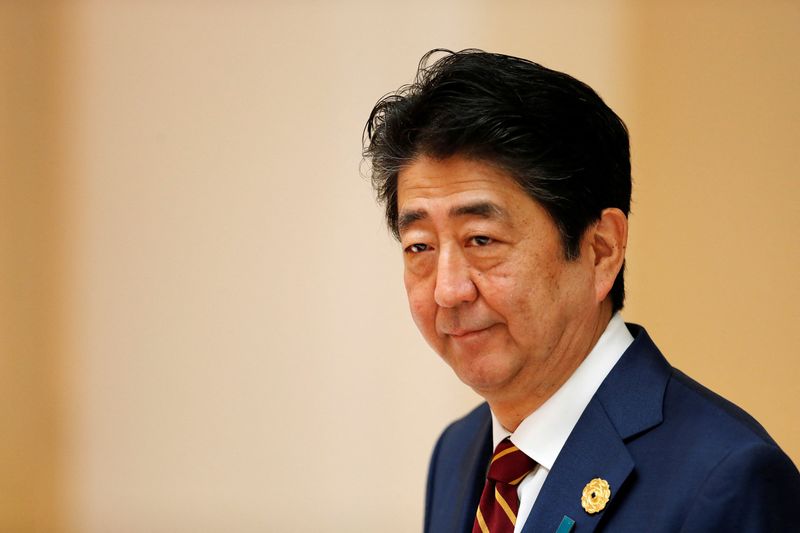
[566, 525]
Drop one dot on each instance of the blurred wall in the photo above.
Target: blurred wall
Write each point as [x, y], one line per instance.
[717, 198]
[203, 320]
[30, 268]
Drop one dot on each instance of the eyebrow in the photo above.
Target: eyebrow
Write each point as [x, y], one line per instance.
[482, 209]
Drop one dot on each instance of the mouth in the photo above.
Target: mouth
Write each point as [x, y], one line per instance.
[467, 334]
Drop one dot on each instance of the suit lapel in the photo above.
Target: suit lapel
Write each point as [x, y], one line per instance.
[628, 403]
[474, 477]
[593, 450]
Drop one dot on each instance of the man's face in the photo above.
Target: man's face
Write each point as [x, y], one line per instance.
[486, 277]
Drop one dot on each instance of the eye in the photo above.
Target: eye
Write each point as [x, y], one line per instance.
[416, 248]
[481, 240]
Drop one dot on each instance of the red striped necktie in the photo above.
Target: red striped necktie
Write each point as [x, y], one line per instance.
[497, 510]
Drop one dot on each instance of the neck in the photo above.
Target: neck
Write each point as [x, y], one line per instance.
[512, 407]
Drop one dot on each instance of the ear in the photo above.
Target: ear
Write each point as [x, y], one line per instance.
[609, 238]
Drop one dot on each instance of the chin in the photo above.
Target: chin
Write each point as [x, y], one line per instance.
[485, 375]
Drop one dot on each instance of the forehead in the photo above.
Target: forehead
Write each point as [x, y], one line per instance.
[456, 179]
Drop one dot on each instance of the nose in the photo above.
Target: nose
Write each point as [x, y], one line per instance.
[454, 284]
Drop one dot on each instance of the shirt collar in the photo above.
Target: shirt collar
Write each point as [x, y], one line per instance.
[542, 434]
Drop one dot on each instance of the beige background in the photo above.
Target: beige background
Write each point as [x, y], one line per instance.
[202, 321]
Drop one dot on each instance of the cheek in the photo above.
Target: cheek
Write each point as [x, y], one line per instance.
[510, 289]
[501, 292]
[420, 302]
[420, 312]
[524, 293]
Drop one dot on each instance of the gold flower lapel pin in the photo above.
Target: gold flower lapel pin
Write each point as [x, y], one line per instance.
[595, 495]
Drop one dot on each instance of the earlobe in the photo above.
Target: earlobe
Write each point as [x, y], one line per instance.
[610, 238]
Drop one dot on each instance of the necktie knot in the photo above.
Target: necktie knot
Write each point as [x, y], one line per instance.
[509, 464]
[497, 510]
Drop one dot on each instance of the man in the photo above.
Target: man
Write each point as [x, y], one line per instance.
[508, 185]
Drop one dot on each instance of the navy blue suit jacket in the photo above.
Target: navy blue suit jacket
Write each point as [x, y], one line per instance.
[678, 458]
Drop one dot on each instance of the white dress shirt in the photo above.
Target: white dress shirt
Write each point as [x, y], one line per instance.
[543, 433]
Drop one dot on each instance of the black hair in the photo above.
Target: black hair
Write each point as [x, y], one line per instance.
[552, 133]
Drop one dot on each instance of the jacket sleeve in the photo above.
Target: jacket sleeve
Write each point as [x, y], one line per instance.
[753, 489]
